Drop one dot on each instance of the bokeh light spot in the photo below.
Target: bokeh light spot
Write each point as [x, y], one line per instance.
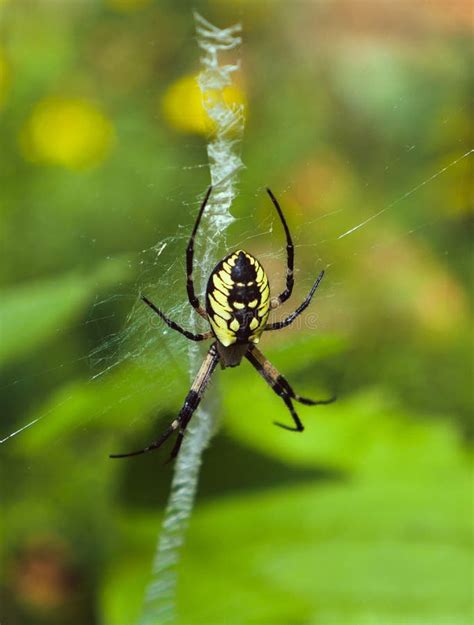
[183, 107]
[69, 132]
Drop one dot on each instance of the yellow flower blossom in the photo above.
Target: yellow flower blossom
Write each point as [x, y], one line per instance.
[68, 132]
[183, 108]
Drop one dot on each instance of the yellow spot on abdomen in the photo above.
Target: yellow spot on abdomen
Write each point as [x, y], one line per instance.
[222, 332]
[221, 298]
[219, 309]
[219, 284]
[234, 325]
[254, 323]
[220, 323]
[265, 294]
[225, 277]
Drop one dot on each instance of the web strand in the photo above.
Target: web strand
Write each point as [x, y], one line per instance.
[406, 195]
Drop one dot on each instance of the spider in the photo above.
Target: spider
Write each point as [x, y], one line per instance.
[237, 307]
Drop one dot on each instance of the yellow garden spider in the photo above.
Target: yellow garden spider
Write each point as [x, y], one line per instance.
[237, 307]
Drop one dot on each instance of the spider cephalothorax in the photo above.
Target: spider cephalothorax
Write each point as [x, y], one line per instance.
[237, 307]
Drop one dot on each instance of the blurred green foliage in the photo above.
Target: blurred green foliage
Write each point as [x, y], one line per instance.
[353, 108]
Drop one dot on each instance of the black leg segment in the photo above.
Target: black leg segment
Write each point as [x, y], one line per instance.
[191, 402]
[193, 300]
[281, 387]
[174, 326]
[290, 254]
[278, 325]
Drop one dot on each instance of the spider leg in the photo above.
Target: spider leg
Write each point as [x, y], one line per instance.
[155, 445]
[193, 300]
[278, 325]
[191, 402]
[290, 256]
[281, 387]
[174, 326]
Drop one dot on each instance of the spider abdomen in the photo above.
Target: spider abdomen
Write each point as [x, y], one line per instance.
[238, 299]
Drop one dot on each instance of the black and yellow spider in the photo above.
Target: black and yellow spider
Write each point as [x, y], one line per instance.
[237, 307]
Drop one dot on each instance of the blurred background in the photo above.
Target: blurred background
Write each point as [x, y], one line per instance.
[354, 110]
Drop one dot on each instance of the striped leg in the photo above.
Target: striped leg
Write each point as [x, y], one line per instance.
[193, 300]
[278, 325]
[290, 257]
[191, 402]
[174, 326]
[281, 387]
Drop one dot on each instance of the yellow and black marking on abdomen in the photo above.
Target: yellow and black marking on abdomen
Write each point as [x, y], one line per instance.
[238, 299]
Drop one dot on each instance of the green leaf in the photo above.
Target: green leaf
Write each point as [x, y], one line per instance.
[31, 314]
[351, 553]
[118, 400]
[303, 351]
[368, 432]
[123, 592]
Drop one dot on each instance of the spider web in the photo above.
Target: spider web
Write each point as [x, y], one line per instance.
[141, 337]
[145, 341]
[160, 272]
